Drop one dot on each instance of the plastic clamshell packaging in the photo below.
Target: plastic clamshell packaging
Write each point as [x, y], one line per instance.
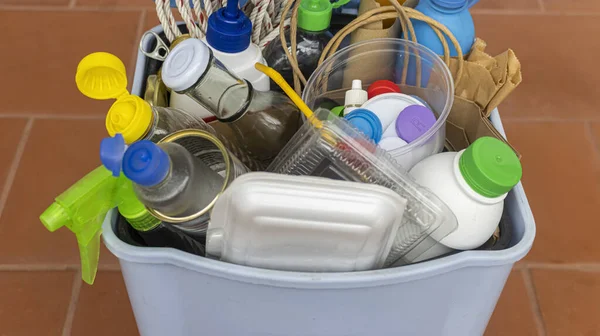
[338, 151]
[303, 223]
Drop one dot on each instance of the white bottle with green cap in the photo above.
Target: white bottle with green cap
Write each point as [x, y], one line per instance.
[473, 183]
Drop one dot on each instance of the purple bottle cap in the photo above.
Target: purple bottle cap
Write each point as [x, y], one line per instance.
[414, 121]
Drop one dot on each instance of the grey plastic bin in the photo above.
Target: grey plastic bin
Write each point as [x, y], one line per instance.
[174, 293]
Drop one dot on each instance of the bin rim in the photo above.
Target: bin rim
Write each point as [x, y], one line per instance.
[340, 280]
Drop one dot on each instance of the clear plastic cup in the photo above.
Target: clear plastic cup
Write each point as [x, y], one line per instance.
[377, 59]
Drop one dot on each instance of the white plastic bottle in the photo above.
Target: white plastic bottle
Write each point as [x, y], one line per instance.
[228, 35]
[473, 183]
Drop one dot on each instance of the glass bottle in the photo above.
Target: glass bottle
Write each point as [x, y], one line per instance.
[261, 122]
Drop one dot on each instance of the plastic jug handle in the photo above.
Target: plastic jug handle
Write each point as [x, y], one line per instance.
[340, 3]
[471, 3]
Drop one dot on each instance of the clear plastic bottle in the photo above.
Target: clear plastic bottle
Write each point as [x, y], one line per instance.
[169, 179]
[151, 229]
[312, 35]
[261, 122]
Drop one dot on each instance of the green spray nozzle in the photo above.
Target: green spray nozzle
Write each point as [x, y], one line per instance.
[82, 209]
[315, 15]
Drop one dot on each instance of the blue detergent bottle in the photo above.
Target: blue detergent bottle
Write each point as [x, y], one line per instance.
[454, 14]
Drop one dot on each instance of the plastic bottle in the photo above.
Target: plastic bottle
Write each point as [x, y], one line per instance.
[355, 97]
[152, 230]
[314, 18]
[82, 209]
[473, 183]
[454, 14]
[168, 179]
[261, 122]
[228, 34]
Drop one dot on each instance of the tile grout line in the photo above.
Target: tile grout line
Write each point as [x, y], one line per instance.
[68, 326]
[50, 116]
[589, 133]
[67, 7]
[12, 172]
[581, 267]
[533, 300]
[549, 119]
[542, 5]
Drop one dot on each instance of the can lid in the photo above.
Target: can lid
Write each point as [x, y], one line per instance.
[382, 86]
[229, 29]
[131, 116]
[413, 122]
[111, 153]
[490, 167]
[101, 75]
[185, 64]
[366, 122]
[145, 163]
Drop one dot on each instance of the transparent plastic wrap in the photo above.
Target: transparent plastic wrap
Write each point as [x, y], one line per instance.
[338, 151]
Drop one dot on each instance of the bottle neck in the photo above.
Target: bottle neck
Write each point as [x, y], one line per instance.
[223, 94]
[467, 190]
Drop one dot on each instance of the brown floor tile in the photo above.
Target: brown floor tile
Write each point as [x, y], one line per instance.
[41, 70]
[57, 154]
[116, 3]
[34, 303]
[556, 81]
[560, 182]
[513, 314]
[572, 6]
[12, 129]
[104, 308]
[511, 5]
[35, 2]
[568, 301]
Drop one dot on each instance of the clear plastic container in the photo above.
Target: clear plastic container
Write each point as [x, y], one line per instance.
[338, 151]
[358, 61]
[304, 224]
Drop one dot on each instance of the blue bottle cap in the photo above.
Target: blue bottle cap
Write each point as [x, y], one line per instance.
[111, 153]
[145, 163]
[366, 122]
[229, 29]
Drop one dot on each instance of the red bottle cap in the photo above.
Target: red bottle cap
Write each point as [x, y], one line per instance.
[382, 86]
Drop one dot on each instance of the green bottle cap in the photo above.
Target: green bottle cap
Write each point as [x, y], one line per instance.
[338, 111]
[490, 167]
[133, 210]
[315, 15]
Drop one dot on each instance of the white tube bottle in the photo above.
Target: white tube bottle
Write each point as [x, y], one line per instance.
[473, 183]
[228, 34]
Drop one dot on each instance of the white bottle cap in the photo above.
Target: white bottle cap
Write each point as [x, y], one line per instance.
[185, 64]
[356, 96]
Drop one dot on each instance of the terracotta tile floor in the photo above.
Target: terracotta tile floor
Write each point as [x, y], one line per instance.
[51, 132]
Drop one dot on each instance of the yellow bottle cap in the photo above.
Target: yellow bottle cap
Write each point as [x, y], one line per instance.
[101, 75]
[131, 116]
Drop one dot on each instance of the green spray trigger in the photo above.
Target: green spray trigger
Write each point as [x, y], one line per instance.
[82, 209]
[340, 3]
